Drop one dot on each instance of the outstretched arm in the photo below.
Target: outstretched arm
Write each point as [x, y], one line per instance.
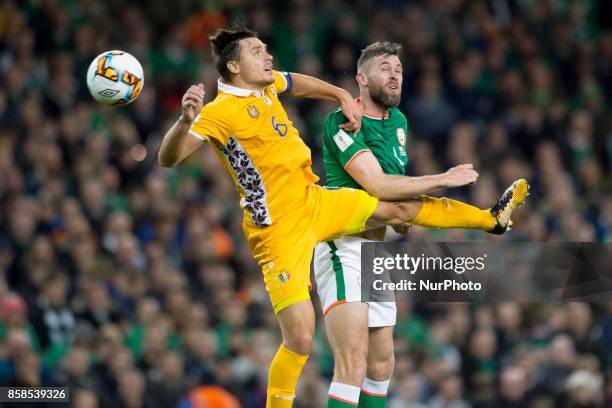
[311, 87]
[366, 171]
[177, 144]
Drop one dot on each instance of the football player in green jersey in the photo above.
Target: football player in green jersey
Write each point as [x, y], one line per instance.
[374, 159]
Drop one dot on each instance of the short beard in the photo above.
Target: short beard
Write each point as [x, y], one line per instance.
[381, 98]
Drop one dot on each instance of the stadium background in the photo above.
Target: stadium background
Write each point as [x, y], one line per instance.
[131, 283]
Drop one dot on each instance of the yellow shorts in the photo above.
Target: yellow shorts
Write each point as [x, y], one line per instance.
[284, 249]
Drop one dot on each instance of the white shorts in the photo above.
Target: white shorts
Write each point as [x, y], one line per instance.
[337, 270]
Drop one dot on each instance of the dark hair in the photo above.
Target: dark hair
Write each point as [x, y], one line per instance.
[225, 47]
[376, 49]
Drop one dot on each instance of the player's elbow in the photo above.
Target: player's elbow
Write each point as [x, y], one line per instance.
[374, 190]
[383, 194]
[166, 161]
[166, 164]
[378, 189]
[369, 183]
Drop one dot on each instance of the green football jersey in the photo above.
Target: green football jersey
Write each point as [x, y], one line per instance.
[385, 138]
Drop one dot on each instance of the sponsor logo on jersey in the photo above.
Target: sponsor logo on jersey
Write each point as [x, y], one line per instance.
[401, 136]
[253, 112]
[343, 140]
[284, 275]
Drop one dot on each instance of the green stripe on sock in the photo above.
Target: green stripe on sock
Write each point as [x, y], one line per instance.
[337, 265]
[372, 401]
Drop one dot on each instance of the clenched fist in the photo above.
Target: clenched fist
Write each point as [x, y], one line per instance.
[192, 102]
[460, 176]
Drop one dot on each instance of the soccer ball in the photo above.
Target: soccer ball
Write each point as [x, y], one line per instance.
[115, 78]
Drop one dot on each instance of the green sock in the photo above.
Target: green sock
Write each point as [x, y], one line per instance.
[372, 401]
[334, 403]
[373, 394]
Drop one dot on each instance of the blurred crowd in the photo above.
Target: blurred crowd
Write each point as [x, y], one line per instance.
[132, 284]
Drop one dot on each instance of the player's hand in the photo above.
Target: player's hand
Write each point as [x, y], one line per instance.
[353, 112]
[192, 103]
[460, 176]
[402, 229]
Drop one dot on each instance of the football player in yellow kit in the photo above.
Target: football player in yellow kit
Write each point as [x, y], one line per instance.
[285, 213]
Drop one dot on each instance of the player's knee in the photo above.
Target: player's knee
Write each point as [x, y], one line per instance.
[351, 371]
[300, 343]
[352, 365]
[381, 367]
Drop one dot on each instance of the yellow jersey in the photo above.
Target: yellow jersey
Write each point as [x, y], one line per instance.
[259, 147]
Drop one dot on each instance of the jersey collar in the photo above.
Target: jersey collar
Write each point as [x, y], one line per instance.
[234, 90]
[376, 117]
[372, 116]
